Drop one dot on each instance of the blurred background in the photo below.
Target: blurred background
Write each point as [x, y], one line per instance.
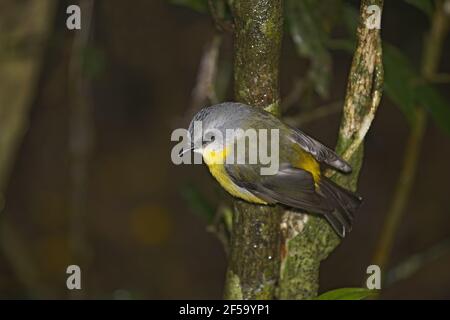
[85, 122]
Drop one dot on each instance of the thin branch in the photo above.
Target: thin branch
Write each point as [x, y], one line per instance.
[80, 141]
[416, 262]
[297, 90]
[366, 122]
[20, 65]
[217, 9]
[431, 58]
[221, 226]
[315, 240]
[315, 114]
[403, 189]
[204, 90]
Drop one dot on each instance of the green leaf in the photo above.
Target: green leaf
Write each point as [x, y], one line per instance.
[429, 98]
[426, 6]
[347, 294]
[403, 85]
[196, 5]
[307, 27]
[399, 79]
[350, 19]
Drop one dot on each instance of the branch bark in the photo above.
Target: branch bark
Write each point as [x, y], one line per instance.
[21, 49]
[267, 261]
[310, 240]
[253, 269]
[81, 140]
[24, 31]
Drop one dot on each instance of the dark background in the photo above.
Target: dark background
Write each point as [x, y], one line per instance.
[140, 238]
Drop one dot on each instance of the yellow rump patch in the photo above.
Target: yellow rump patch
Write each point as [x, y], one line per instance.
[308, 163]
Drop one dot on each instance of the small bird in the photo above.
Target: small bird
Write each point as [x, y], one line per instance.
[298, 183]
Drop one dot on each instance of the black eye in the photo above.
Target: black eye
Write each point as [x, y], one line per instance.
[208, 140]
[211, 139]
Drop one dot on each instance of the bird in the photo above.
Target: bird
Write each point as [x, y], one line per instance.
[298, 183]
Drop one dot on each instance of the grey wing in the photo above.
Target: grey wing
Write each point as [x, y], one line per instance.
[290, 186]
[295, 188]
[320, 152]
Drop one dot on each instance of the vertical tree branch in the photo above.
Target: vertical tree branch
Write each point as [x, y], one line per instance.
[311, 239]
[204, 90]
[24, 31]
[432, 55]
[80, 140]
[21, 49]
[254, 254]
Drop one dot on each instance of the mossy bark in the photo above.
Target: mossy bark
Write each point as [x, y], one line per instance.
[254, 260]
[274, 254]
[25, 27]
[24, 30]
[299, 277]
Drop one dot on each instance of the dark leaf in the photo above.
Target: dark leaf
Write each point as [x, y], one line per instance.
[350, 17]
[347, 294]
[198, 203]
[405, 87]
[426, 6]
[399, 79]
[429, 98]
[308, 30]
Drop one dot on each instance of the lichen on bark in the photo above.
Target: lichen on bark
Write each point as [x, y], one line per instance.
[254, 261]
[258, 33]
[276, 255]
[299, 276]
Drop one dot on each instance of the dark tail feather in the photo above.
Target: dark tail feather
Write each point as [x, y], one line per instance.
[344, 202]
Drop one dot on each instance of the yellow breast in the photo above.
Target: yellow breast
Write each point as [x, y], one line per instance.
[215, 162]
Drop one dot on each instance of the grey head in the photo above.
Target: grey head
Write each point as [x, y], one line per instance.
[208, 127]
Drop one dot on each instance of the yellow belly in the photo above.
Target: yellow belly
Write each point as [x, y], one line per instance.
[215, 162]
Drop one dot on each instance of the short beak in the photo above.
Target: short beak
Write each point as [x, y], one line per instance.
[182, 152]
